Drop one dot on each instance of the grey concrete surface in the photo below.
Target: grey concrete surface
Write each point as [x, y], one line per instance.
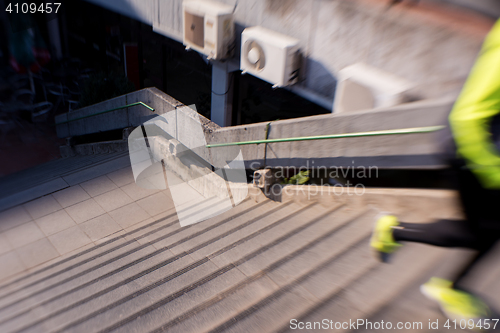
[251, 269]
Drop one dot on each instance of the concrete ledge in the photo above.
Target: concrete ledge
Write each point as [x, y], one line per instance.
[122, 118]
[94, 148]
[410, 205]
[388, 151]
[193, 170]
[32, 193]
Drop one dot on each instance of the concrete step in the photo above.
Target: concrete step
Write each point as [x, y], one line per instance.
[410, 306]
[167, 231]
[276, 253]
[89, 259]
[269, 314]
[375, 286]
[259, 218]
[252, 268]
[301, 291]
[90, 255]
[289, 273]
[103, 147]
[185, 280]
[178, 242]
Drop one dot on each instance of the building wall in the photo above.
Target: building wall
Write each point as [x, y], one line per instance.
[431, 44]
[141, 10]
[488, 7]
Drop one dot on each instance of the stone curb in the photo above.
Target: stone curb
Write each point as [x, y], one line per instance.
[411, 205]
[94, 148]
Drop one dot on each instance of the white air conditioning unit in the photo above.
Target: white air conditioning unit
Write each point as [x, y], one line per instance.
[209, 28]
[362, 87]
[270, 56]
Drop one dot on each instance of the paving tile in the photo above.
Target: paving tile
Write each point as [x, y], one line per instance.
[100, 227]
[98, 186]
[136, 192]
[156, 204]
[157, 180]
[4, 244]
[129, 215]
[61, 257]
[11, 264]
[55, 222]
[36, 253]
[185, 193]
[42, 206]
[23, 234]
[91, 172]
[167, 192]
[113, 200]
[13, 218]
[121, 177]
[85, 211]
[69, 240]
[70, 196]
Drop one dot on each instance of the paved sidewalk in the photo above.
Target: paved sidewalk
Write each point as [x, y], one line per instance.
[78, 217]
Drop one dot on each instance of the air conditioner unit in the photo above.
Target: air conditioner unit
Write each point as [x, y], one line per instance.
[270, 56]
[362, 87]
[209, 28]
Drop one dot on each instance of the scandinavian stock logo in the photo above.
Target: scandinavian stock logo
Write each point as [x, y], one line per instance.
[169, 151]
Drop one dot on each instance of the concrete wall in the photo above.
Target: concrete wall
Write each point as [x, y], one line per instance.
[393, 151]
[141, 10]
[431, 44]
[119, 119]
[488, 7]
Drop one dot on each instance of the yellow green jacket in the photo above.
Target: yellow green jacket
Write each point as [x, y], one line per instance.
[472, 114]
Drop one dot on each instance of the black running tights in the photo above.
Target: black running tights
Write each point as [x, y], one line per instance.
[480, 230]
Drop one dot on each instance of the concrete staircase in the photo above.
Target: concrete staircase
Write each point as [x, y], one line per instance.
[251, 269]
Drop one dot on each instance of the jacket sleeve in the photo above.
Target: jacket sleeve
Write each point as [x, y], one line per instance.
[472, 114]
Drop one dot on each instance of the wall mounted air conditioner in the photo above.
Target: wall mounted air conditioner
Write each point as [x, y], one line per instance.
[270, 56]
[362, 87]
[208, 28]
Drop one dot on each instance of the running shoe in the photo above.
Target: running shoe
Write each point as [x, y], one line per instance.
[382, 240]
[455, 304]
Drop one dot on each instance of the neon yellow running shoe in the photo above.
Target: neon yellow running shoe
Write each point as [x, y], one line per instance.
[382, 240]
[455, 304]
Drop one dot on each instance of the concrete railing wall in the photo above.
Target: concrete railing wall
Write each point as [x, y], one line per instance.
[129, 117]
[400, 151]
[393, 151]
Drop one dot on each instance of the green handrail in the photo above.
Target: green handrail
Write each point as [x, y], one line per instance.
[102, 112]
[413, 130]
